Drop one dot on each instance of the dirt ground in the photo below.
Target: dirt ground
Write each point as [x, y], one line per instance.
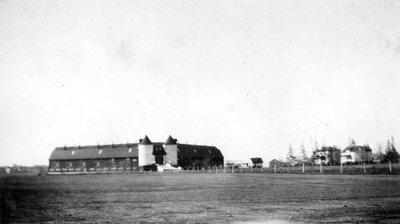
[200, 198]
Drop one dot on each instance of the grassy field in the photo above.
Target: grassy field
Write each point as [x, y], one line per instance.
[200, 198]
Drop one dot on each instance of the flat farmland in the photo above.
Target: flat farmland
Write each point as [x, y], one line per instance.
[200, 198]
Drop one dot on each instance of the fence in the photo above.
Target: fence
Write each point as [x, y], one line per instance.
[383, 168]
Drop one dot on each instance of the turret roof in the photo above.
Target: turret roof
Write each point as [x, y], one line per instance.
[170, 141]
[145, 141]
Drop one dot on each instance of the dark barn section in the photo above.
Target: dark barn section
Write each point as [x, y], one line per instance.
[197, 156]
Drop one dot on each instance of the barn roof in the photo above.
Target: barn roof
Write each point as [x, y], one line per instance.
[186, 150]
[95, 152]
[129, 150]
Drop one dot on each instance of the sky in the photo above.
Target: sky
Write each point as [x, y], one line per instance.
[250, 77]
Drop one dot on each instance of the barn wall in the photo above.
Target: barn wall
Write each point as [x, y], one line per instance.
[94, 165]
[200, 162]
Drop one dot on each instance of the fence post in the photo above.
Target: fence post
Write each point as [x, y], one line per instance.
[274, 168]
[364, 168]
[303, 167]
[390, 166]
[251, 169]
[262, 169]
[241, 169]
[232, 169]
[341, 167]
[320, 167]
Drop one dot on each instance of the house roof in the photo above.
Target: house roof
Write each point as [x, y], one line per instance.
[357, 148]
[95, 152]
[328, 148]
[275, 161]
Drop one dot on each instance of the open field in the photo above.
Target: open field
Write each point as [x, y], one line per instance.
[200, 198]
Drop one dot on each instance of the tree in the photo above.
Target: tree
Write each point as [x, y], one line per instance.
[290, 157]
[303, 152]
[352, 143]
[379, 155]
[391, 153]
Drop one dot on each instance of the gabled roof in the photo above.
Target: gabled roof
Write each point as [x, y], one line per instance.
[145, 141]
[275, 161]
[170, 141]
[256, 160]
[95, 152]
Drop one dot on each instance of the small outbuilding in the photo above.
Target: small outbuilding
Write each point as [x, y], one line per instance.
[257, 162]
[278, 163]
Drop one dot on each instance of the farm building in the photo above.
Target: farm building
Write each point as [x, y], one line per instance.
[327, 155]
[356, 154]
[278, 163]
[257, 162]
[236, 164]
[144, 155]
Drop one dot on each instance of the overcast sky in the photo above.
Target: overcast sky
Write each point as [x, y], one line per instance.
[250, 77]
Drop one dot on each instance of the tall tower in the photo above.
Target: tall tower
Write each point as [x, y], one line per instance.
[145, 152]
[171, 148]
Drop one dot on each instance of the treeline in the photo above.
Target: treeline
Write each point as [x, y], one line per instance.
[333, 155]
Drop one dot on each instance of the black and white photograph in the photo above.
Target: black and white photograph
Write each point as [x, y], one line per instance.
[199, 111]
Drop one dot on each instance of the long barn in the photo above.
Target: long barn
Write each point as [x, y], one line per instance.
[130, 157]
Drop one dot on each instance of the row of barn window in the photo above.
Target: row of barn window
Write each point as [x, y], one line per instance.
[98, 163]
